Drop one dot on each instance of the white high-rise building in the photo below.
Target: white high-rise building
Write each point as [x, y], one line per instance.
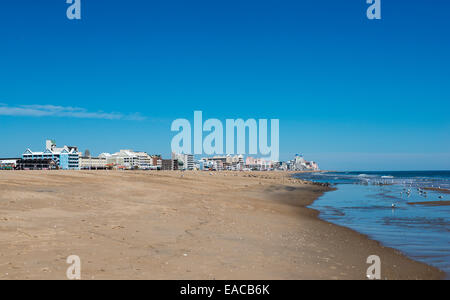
[299, 163]
[186, 159]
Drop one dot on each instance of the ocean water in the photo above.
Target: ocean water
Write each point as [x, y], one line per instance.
[378, 204]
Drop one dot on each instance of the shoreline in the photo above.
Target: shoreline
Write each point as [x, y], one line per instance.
[394, 251]
[180, 225]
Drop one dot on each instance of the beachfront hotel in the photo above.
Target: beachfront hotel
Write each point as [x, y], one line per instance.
[65, 158]
[129, 159]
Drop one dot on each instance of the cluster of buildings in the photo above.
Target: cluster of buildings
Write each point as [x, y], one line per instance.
[221, 163]
[69, 158]
[300, 164]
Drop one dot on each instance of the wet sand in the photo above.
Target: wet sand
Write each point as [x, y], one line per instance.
[440, 190]
[173, 225]
[431, 203]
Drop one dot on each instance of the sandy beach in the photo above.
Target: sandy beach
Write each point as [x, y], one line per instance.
[179, 225]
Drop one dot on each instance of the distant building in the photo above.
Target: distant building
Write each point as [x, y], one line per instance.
[200, 165]
[300, 164]
[124, 159]
[93, 163]
[65, 158]
[129, 159]
[37, 164]
[234, 163]
[156, 161]
[222, 159]
[145, 161]
[259, 164]
[8, 163]
[217, 163]
[169, 164]
[311, 165]
[187, 160]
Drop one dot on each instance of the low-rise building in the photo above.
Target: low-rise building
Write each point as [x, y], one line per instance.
[129, 159]
[37, 164]
[8, 163]
[259, 164]
[93, 163]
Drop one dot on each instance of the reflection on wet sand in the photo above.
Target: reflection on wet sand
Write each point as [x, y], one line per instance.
[431, 203]
[440, 190]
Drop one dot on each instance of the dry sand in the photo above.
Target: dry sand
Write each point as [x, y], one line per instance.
[173, 225]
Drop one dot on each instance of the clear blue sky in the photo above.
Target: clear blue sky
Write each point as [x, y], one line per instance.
[350, 93]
